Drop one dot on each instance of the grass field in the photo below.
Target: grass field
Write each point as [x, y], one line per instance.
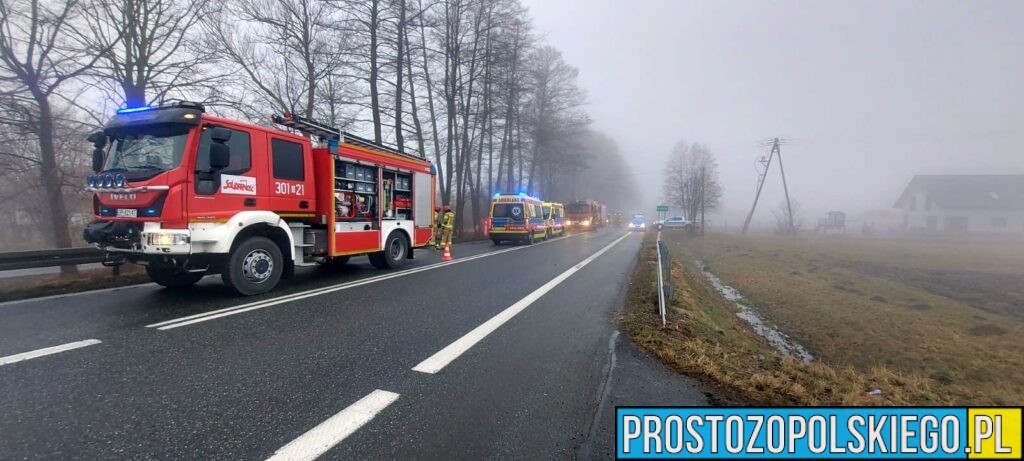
[925, 322]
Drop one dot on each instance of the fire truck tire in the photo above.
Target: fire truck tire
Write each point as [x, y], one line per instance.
[396, 250]
[172, 277]
[496, 241]
[530, 239]
[253, 267]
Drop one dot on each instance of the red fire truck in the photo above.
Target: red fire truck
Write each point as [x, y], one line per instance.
[186, 194]
[585, 214]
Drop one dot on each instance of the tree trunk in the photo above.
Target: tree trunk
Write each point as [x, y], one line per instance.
[421, 143]
[134, 94]
[430, 104]
[50, 174]
[374, 93]
[398, 70]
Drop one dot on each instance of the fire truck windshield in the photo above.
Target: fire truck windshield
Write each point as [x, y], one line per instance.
[144, 152]
[577, 208]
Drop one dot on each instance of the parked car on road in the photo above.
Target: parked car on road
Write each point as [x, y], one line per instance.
[676, 222]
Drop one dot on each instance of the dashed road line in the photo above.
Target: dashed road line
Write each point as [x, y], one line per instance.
[47, 351]
[442, 358]
[335, 429]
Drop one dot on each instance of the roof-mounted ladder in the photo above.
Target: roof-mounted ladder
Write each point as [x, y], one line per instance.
[326, 132]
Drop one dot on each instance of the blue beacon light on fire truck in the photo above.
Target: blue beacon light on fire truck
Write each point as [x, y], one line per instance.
[129, 110]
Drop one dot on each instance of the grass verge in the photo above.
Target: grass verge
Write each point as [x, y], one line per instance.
[705, 339]
[34, 286]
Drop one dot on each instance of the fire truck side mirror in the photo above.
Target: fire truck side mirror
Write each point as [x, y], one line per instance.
[99, 141]
[97, 160]
[220, 156]
[220, 153]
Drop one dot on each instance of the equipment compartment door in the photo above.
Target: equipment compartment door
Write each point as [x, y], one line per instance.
[348, 242]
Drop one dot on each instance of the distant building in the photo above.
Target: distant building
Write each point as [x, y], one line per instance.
[960, 204]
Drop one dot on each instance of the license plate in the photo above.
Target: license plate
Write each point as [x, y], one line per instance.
[127, 213]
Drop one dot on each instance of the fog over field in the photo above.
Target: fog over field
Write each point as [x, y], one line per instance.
[866, 94]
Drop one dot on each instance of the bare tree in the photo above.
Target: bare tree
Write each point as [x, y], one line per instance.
[554, 111]
[781, 213]
[152, 50]
[284, 51]
[691, 179]
[41, 51]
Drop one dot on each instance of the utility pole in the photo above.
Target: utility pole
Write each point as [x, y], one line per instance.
[775, 152]
[790, 230]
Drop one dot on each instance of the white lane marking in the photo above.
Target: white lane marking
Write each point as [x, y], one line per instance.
[442, 358]
[46, 351]
[216, 314]
[331, 432]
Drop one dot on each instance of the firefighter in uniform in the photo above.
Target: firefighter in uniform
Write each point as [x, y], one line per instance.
[436, 235]
[447, 226]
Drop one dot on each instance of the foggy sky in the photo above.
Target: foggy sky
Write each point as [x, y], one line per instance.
[866, 93]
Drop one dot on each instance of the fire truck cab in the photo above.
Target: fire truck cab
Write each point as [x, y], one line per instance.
[187, 194]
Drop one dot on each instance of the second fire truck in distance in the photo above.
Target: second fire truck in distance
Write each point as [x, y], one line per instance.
[187, 194]
[585, 215]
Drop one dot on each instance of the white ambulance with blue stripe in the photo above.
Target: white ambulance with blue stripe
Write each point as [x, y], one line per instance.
[517, 218]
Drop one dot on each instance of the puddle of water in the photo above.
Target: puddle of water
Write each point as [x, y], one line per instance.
[779, 340]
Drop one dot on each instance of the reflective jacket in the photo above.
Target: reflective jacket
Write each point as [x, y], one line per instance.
[448, 222]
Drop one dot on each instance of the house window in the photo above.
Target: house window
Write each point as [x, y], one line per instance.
[913, 203]
[1000, 222]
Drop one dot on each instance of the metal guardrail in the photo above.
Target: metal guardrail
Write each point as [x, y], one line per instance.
[665, 289]
[49, 258]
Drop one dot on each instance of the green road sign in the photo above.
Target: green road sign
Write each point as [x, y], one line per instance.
[662, 207]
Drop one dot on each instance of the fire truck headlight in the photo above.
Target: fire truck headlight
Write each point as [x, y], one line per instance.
[108, 181]
[586, 222]
[166, 239]
[90, 181]
[642, 225]
[568, 222]
[119, 180]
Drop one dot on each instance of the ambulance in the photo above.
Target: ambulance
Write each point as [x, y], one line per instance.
[517, 218]
[554, 219]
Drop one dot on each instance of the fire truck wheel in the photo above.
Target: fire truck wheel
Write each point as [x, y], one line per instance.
[172, 277]
[530, 239]
[394, 255]
[496, 241]
[253, 267]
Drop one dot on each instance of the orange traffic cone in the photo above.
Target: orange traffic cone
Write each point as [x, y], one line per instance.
[447, 253]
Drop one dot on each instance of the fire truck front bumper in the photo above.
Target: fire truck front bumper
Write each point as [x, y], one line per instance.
[135, 238]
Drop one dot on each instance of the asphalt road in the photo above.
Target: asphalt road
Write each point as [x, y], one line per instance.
[508, 352]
